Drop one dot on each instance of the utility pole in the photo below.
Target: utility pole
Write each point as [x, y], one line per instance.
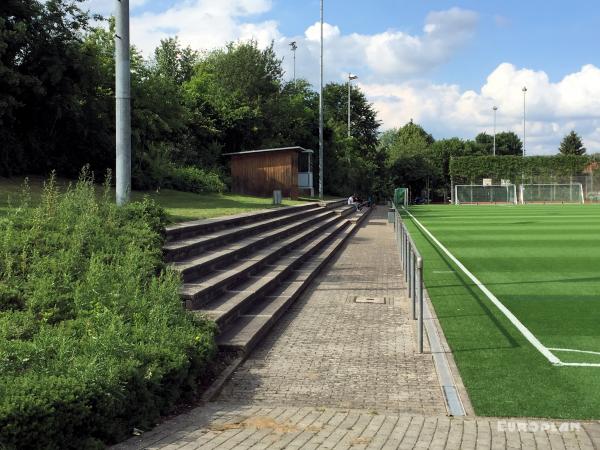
[350, 78]
[294, 47]
[524, 92]
[495, 108]
[321, 114]
[122, 103]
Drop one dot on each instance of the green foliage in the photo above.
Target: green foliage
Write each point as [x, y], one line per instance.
[508, 143]
[93, 338]
[352, 164]
[193, 179]
[572, 145]
[474, 168]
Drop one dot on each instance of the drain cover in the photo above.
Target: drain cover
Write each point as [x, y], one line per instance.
[371, 300]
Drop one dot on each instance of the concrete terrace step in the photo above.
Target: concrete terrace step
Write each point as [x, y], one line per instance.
[251, 326]
[185, 248]
[197, 266]
[228, 307]
[184, 230]
[199, 292]
[188, 229]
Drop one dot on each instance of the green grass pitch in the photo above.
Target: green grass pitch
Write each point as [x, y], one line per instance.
[543, 264]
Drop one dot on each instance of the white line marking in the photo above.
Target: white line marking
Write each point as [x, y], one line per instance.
[509, 315]
[570, 350]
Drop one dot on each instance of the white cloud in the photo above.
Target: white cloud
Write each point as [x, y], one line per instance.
[553, 108]
[202, 24]
[387, 55]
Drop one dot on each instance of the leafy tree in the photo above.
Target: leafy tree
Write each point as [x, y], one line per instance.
[350, 164]
[486, 143]
[508, 143]
[572, 145]
[408, 140]
[174, 62]
[241, 84]
[45, 80]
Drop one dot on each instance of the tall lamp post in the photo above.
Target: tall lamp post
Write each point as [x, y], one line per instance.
[321, 113]
[350, 78]
[294, 47]
[495, 108]
[524, 135]
[122, 103]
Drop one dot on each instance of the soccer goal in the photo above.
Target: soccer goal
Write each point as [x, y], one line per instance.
[476, 194]
[551, 193]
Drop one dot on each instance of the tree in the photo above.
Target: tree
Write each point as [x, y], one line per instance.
[174, 62]
[408, 140]
[572, 145]
[508, 143]
[486, 143]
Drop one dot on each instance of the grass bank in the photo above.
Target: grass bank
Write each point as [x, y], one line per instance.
[179, 206]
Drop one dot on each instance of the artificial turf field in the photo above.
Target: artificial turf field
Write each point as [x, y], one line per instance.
[543, 263]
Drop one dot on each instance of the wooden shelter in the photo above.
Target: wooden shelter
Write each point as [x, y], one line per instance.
[260, 172]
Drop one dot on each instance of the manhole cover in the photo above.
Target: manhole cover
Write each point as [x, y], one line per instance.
[371, 300]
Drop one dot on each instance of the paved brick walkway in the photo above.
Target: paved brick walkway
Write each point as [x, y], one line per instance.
[339, 374]
[230, 426]
[329, 351]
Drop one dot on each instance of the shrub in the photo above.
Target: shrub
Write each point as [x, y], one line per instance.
[93, 338]
[193, 179]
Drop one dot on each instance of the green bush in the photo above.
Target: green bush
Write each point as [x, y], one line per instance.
[93, 338]
[193, 179]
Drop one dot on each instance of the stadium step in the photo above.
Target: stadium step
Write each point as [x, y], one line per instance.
[196, 266]
[223, 309]
[196, 245]
[252, 325]
[193, 228]
[207, 286]
[244, 271]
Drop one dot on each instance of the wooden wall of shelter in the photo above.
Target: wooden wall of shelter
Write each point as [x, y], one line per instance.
[263, 172]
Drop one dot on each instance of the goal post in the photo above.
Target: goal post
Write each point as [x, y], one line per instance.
[552, 193]
[401, 196]
[475, 194]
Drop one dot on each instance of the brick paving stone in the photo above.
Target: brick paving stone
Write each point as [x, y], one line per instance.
[330, 351]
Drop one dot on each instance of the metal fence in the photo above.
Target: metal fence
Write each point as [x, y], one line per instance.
[412, 267]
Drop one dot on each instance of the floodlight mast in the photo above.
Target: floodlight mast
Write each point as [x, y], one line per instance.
[122, 103]
[350, 78]
[294, 47]
[495, 108]
[321, 113]
[524, 135]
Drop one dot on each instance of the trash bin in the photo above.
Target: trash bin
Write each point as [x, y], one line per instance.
[391, 215]
[277, 197]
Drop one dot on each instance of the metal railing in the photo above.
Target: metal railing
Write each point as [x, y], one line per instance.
[412, 267]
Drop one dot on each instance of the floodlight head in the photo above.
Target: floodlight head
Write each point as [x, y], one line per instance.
[524, 89]
[495, 108]
[352, 77]
[293, 45]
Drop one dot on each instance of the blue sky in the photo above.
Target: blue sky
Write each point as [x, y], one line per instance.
[443, 63]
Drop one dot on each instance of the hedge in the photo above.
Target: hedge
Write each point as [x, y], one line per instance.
[93, 338]
[474, 168]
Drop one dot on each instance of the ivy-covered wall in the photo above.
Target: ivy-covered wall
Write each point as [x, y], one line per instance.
[472, 169]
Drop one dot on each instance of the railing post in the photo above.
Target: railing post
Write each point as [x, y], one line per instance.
[413, 257]
[421, 318]
[410, 269]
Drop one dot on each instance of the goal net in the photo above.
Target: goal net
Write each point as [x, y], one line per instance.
[476, 194]
[552, 193]
[401, 196]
